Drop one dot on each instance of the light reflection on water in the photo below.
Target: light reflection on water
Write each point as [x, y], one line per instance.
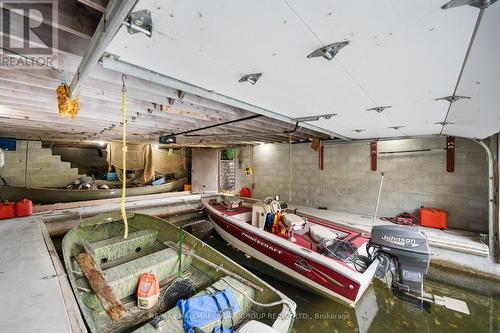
[378, 310]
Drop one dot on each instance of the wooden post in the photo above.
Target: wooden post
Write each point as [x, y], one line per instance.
[321, 160]
[373, 154]
[450, 153]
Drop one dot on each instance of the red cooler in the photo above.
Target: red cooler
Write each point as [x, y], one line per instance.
[7, 210]
[433, 218]
[24, 207]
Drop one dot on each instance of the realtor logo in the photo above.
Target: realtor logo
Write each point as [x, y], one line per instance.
[29, 33]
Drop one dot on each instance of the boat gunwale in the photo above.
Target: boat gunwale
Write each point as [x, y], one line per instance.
[364, 279]
[284, 318]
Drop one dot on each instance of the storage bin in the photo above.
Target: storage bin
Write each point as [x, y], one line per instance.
[8, 144]
[111, 176]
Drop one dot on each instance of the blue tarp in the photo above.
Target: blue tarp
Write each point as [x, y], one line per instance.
[204, 310]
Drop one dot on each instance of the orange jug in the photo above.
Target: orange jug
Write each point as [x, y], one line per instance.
[148, 290]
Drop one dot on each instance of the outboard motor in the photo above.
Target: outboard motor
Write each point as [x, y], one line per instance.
[405, 252]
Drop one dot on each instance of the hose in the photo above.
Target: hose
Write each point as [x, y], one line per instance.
[193, 208]
[124, 157]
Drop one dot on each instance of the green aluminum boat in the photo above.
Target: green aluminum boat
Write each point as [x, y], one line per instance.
[49, 195]
[152, 245]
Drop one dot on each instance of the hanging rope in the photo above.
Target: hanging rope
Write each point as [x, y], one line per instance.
[124, 156]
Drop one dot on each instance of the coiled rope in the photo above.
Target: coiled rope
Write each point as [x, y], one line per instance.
[124, 156]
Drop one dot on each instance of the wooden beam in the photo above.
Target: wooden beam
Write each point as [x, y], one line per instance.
[111, 304]
[100, 6]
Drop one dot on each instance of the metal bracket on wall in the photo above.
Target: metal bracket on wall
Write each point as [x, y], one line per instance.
[452, 98]
[251, 78]
[475, 3]
[139, 22]
[373, 154]
[329, 51]
[450, 153]
[379, 109]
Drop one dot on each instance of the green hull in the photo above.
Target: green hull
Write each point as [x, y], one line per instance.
[123, 261]
[47, 195]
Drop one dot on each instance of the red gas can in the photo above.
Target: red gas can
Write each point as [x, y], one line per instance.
[7, 210]
[433, 218]
[245, 192]
[24, 207]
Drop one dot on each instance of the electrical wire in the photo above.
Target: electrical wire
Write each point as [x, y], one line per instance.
[466, 58]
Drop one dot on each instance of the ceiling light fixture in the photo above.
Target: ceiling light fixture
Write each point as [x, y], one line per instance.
[396, 127]
[252, 78]
[329, 51]
[452, 98]
[315, 118]
[379, 109]
[475, 3]
[168, 139]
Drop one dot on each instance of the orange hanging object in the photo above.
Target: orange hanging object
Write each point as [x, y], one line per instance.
[66, 106]
[316, 144]
[148, 290]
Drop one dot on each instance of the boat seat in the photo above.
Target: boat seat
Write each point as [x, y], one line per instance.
[172, 322]
[320, 233]
[117, 247]
[293, 221]
[123, 278]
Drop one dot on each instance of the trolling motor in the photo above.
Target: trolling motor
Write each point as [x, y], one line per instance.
[404, 252]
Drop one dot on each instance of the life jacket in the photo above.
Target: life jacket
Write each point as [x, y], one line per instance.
[203, 310]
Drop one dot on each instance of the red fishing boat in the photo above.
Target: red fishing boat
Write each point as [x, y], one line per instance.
[331, 260]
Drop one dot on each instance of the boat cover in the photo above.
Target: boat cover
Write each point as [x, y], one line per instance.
[203, 310]
[293, 221]
[319, 233]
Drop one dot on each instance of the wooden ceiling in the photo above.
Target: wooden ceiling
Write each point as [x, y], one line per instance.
[28, 104]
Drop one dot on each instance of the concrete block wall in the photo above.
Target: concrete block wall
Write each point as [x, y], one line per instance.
[44, 168]
[86, 160]
[347, 184]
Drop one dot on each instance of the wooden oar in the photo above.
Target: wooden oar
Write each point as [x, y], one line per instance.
[216, 267]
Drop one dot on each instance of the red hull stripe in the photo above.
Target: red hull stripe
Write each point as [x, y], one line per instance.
[323, 275]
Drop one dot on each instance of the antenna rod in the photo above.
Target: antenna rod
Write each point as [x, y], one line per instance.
[378, 199]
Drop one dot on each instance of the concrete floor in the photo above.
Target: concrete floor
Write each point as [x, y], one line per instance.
[32, 300]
